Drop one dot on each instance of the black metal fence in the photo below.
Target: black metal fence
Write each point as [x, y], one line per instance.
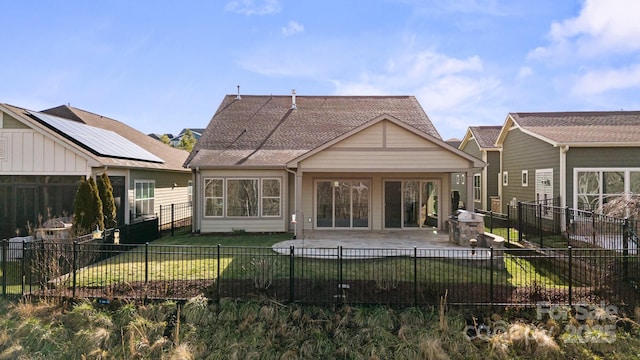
[175, 219]
[402, 277]
[553, 226]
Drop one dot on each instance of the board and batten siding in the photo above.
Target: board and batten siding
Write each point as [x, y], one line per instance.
[598, 158]
[457, 183]
[493, 174]
[27, 152]
[259, 224]
[384, 146]
[525, 152]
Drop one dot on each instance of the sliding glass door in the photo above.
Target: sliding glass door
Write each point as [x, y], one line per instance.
[342, 203]
[411, 204]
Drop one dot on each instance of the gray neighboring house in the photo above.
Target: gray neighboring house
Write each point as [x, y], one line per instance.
[329, 162]
[574, 159]
[44, 154]
[175, 140]
[480, 141]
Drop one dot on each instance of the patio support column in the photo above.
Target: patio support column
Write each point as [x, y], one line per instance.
[298, 205]
[470, 203]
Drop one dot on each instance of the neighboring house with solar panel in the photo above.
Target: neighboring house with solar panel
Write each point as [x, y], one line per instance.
[44, 154]
[480, 141]
[329, 162]
[574, 159]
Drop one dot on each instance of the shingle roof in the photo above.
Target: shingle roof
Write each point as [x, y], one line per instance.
[609, 127]
[454, 142]
[486, 136]
[264, 130]
[173, 158]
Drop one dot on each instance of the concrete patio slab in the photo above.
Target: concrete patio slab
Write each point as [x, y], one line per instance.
[377, 244]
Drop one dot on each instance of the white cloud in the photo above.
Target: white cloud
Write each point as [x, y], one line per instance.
[443, 82]
[525, 72]
[292, 28]
[254, 7]
[603, 27]
[600, 81]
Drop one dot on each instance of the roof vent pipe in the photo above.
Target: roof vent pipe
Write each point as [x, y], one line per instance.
[293, 99]
[238, 96]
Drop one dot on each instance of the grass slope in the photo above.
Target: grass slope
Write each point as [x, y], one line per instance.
[199, 329]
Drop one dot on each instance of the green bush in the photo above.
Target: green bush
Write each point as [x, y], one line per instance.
[87, 208]
[105, 191]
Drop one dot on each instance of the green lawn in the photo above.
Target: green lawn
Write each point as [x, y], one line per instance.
[183, 257]
[13, 277]
[503, 232]
[249, 256]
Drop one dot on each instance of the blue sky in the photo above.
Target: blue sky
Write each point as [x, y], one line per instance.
[160, 66]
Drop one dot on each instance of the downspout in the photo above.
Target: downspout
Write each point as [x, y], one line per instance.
[195, 195]
[195, 203]
[295, 200]
[563, 182]
[484, 193]
[563, 175]
[500, 196]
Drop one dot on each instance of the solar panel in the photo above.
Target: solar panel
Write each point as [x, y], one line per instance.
[99, 141]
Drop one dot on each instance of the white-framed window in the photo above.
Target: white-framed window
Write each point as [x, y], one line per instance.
[144, 197]
[525, 178]
[242, 197]
[213, 197]
[477, 187]
[594, 187]
[271, 197]
[505, 178]
[190, 190]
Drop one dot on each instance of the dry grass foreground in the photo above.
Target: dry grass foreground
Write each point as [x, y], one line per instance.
[200, 329]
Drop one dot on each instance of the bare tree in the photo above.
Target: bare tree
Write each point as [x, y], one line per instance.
[622, 206]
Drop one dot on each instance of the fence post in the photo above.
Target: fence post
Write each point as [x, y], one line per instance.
[4, 267]
[540, 224]
[508, 224]
[22, 269]
[491, 221]
[172, 219]
[625, 251]
[74, 266]
[593, 227]
[570, 277]
[218, 277]
[415, 276]
[567, 223]
[291, 274]
[491, 279]
[340, 289]
[520, 229]
[146, 262]
[160, 221]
